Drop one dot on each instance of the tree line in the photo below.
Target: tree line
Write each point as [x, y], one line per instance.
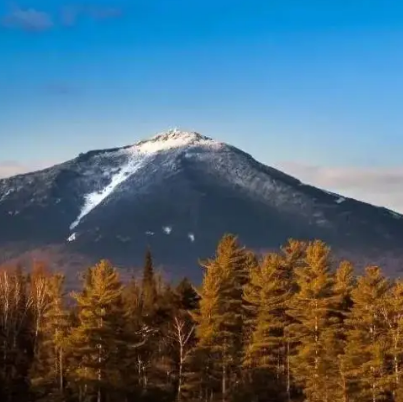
[287, 326]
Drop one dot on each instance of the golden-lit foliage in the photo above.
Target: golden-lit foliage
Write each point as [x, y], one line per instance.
[287, 326]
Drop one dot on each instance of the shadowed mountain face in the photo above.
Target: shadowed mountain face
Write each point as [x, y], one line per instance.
[179, 192]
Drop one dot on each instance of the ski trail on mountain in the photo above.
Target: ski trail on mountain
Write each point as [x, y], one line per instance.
[92, 200]
[138, 154]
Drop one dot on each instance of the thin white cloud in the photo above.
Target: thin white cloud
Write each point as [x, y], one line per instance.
[34, 20]
[12, 168]
[28, 19]
[378, 186]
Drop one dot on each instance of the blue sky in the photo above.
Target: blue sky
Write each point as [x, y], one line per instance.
[314, 87]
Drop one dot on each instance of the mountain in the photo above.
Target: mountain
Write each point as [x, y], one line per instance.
[178, 192]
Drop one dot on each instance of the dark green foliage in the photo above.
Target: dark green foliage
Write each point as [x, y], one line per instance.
[148, 286]
[187, 296]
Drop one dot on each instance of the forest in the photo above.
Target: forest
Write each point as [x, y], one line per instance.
[288, 326]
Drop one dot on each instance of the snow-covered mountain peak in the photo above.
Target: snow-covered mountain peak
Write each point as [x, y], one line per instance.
[174, 138]
[180, 190]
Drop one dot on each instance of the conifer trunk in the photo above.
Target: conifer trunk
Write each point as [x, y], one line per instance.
[288, 373]
[224, 383]
[99, 396]
[61, 368]
[396, 360]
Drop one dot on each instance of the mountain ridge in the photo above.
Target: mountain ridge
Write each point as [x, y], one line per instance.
[167, 190]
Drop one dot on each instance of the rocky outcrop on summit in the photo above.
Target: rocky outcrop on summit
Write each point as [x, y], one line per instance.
[178, 192]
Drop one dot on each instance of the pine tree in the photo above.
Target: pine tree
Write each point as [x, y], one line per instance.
[148, 285]
[149, 322]
[97, 343]
[267, 292]
[220, 317]
[131, 295]
[293, 252]
[344, 282]
[49, 371]
[249, 305]
[311, 307]
[187, 296]
[284, 328]
[163, 373]
[366, 341]
[393, 315]
[208, 319]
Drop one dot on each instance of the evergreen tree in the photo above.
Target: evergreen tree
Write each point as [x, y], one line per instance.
[148, 285]
[267, 292]
[49, 371]
[187, 296]
[366, 341]
[249, 306]
[344, 282]
[220, 317]
[132, 300]
[393, 315]
[284, 328]
[149, 323]
[311, 307]
[293, 252]
[208, 319]
[138, 337]
[97, 343]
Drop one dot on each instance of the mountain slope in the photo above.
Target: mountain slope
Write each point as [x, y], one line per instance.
[179, 192]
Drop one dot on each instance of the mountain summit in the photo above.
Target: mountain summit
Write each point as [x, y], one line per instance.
[179, 192]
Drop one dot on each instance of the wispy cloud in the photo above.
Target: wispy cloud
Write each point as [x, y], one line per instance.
[28, 19]
[70, 15]
[35, 20]
[378, 186]
[12, 168]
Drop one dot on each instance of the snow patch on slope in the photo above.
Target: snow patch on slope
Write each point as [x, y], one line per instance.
[92, 200]
[339, 198]
[174, 139]
[138, 154]
[396, 215]
[72, 237]
[232, 167]
[5, 195]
